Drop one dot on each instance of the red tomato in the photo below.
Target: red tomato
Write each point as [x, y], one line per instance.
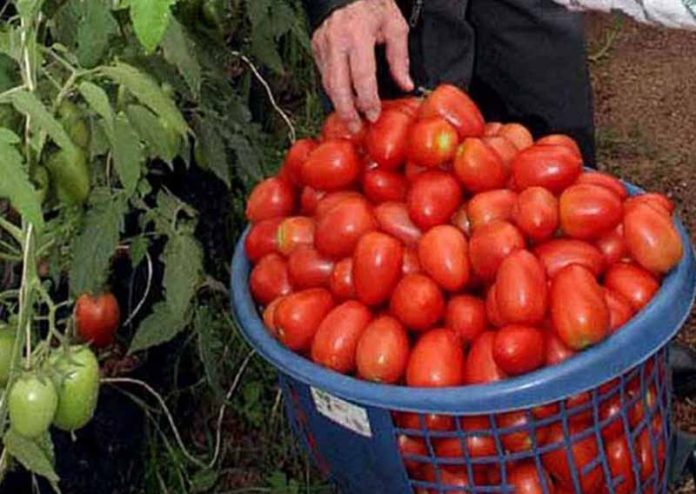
[309, 199]
[443, 254]
[633, 282]
[492, 310]
[521, 292]
[519, 349]
[552, 167]
[556, 350]
[411, 264]
[579, 410]
[636, 414]
[620, 310]
[460, 219]
[271, 198]
[377, 262]
[333, 165]
[411, 171]
[490, 244]
[293, 232]
[327, 202]
[437, 360]
[414, 446]
[338, 334]
[295, 158]
[307, 268]
[417, 302]
[97, 318]
[517, 134]
[604, 180]
[335, 128]
[583, 452]
[383, 185]
[480, 364]
[652, 239]
[503, 148]
[613, 245]
[432, 421]
[536, 213]
[269, 279]
[409, 105]
[269, 316]
[393, 218]
[610, 410]
[477, 445]
[341, 280]
[298, 316]
[520, 440]
[340, 228]
[478, 167]
[526, 479]
[558, 253]
[589, 211]
[451, 476]
[492, 128]
[560, 140]
[387, 139]
[456, 107]
[619, 460]
[489, 206]
[432, 142]
[647, 455]
[433, 198]
[383, 350]
[658, 201]
[262, 239]
[466, 315]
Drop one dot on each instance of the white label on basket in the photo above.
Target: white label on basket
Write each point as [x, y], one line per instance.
[343, 413]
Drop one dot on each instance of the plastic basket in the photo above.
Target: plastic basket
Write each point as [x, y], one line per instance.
[467, 439]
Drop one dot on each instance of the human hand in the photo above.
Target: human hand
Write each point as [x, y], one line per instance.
[344, 50]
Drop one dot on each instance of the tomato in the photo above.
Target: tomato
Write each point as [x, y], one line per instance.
[77, 384]
[477, 445]
[271, 198]
[578, 310]
[417, 302]
[556, 350]
[433, 198]
[460, 219]
[409, 445]
[327, 202]
[636, 414]
[466, 315]
[613, 245]
[295, 158]
[490, 244]
[293, 232]
[393, 218]
[269, 316]
[526, 479]
[32, 403]
[437, 360]
[333, 165]
[492, 310]
[341, 279]
[610, 182]
[636, 284]
[647, 455]
[409, 105]
[377, 262]
[298, 316]
[334, 128]
[562, 252]
[71, 117]
[552, 167]
[411, 263]
[620, 310]
[536, 213]
[383, 185]
[478, 167]
[480, 364]
[521, 291]
[340, 228]
[7, 341]
[383, 350]
[588, 211]
[307, 268]
[386, 140]
[450, 477]
[619, 459]
[70, 176]
[561, 140]
[519, 349]
[519, 440]
[492, 128]
[97, 318]
[456, 107]
[443, 255]
[309, 198]
[652, 239]
[337, 337]
[658, 201]
[432, 142]
[518, 134]
[430, 421]
[269, 279]
[262, 239]
[583, 452]
[489, 206]
[610, 410]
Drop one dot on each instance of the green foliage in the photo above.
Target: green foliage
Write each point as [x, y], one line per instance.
[35, 455]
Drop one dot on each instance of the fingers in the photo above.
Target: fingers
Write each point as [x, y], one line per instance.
[338, 86]
[363, 70]
[396, 40]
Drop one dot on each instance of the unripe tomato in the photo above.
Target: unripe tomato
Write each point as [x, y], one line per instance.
[519, 349]
[298, 316]
[559, 253]
[262, 239]
[295, 158]
[417, 302]
[271, 198]
[433, 198]
[490, 244]
[552, 167]
[605, 180]
[269, 279]
[393, 218]
[97, 318]
[340, 228]
[589, 211]
[478, 167]
[383, 350]
[480, 364]
[332, 165]
[77, 383]
[636, 284]
[613, 245]
[307, 268]
[386, 140]
[583, 452]
[341, 280]
[70, 176]
[652, 239]
[432, 142]
[456, 107]
[518, 134]
[466, 315]
[521, 292]
[561, 140]
[620, 310]
[489, 206]
[293, 232]
[338, 334]
[556, 350]
[377, 263]
[32, 404]
[437, 360]
[383, 185]
[443, 255]
[536, 213]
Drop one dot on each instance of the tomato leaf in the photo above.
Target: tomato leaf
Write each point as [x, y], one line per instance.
[151, 131]
[183, 259]
[28, 104]
[31, 455]
[128, 153]
[204, 480]
[247, 158]
[94, 31]
[209, 347]
[179, 51]
[150, 19]
[157, 328]
[212, 147]
[98, 100]
[138, 249]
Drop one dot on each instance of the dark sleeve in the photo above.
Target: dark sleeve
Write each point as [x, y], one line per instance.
[318, 10]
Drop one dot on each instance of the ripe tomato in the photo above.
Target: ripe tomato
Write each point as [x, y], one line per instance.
[580, 410]
[560, 140]
[433, 198]
[636, 284]
[333, 165]
[295, 158]
[613, 245]
[443, 254]
[307, 268]
[32, 403]
[519, 440]
[383, 350]
[478, 167]
[309, 198]
[620, 310]
[411, 263]
[658, 201]
[517, 134]
[588, 211]
[492, 310]
[432, 142]
[490, 244]
[478, 445]
[450, 477]
[341, 280]
[604, 180]
[556, 350]
[619, 459]
[269, 279]
[97, 318]
[610, 410]
[583, 452]
[386, 140]
[340, 228]
[503, 148]
[334, 128]
[562, 252]
[492, 128]
[336, 338]
[298, 316]
[409, 105]
[437, 360]
[271, 198]
[480, 364]
[269, 316]
[383, 185]
[489, 206]
[293, 232]
[526, 479]
[417, 302]
[535, 213]
[466, 315]
[652, 239]
[519, 349]
[414, 446]
[460, 219]
[578, 310]
[377, 262]
[262, 239]
[327, 202]
[648, 456]
[521, 292]
[456, 107]
[393, 218]
[552, 167]
[429, 421]
[77, 384]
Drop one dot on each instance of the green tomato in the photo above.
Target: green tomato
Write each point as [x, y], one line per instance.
[70, 176]
[75, 125]
[7, 339]
[77, 381]
[31, 404]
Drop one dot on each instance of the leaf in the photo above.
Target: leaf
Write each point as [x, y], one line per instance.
[151, 131]
[263, 47]
[213, 149]
[28, 8]
[94, 31]
[149, 93]
[98, 100]
[258, 11]
[209, 347]
[30, 455]
[157, 328]
[247, 158]
[128, 154]
[138, 249]
[15, 184]
[204, 480]
[27, 103]
[150, 19]
[183, 260]
[178, 50]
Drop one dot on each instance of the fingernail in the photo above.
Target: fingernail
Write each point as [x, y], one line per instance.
[372, 115]
[354, 127]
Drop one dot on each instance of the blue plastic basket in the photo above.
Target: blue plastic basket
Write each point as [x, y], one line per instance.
[351, 430]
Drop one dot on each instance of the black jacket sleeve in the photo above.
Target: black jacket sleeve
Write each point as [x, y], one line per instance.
[318, 10]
